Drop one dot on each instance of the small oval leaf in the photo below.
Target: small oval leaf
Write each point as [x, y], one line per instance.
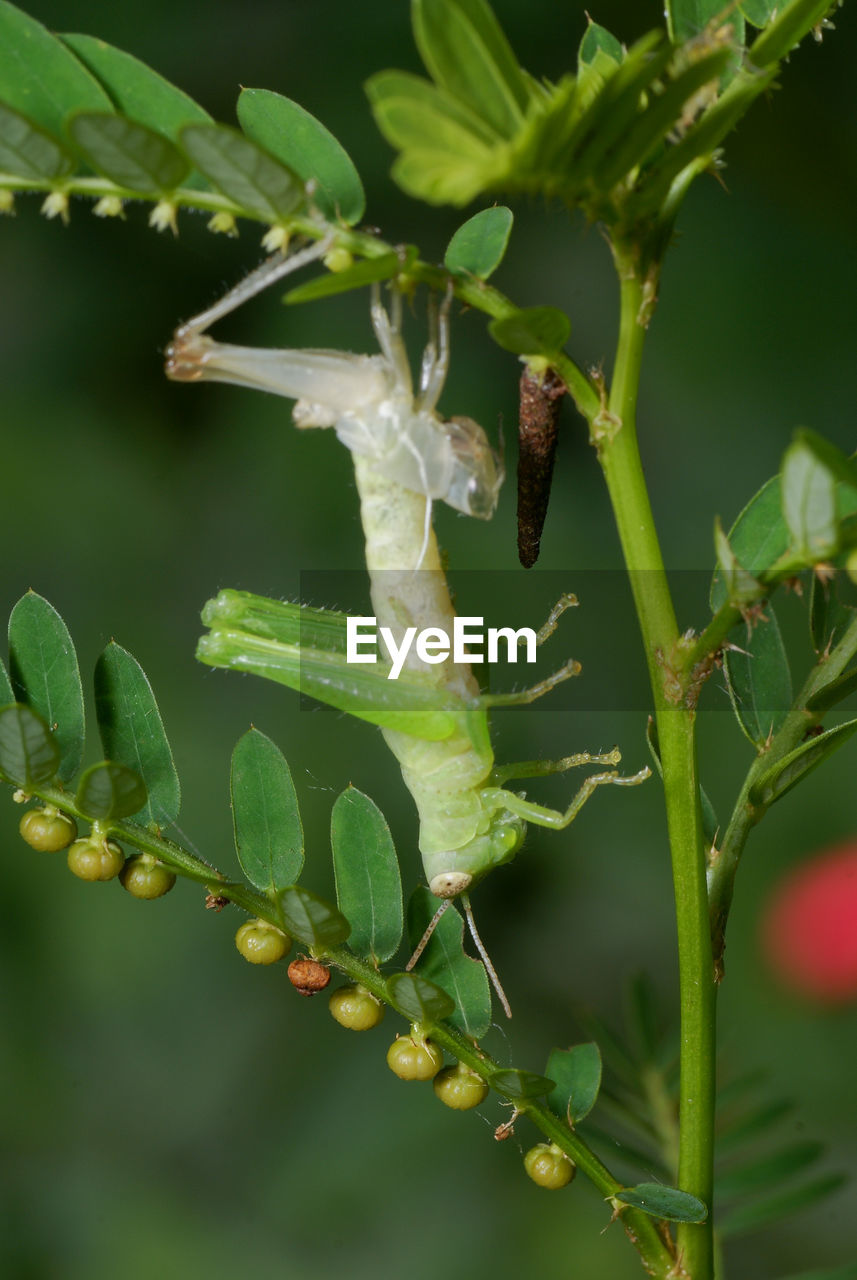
[130, 154]
[244, 172]
[311, 919]
[132, 731]
[664, 1202]
[291, 135]
[28, 151]
[788, 771]
[368, 885]
[532, 331]
[28, 752]
[809, 503]
[759, 680]
[445, 962]
[577, 1072]
[478, 246]
[39, 76]
[520, 1084]
[419, 999]
[598, 39]
[45, 674]
[265, 815]
[110, 790]
[757, 540]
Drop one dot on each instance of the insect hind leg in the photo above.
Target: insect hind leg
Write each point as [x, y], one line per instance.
[543, 768]
[557, 819]
[520, 697]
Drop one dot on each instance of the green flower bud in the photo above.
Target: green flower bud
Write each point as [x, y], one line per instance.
[549, 1166]
[460, 1088]
[144, 877]
[262, 943]
[47, 829]
[355, 1008]
[411, 1058]
[95, 859]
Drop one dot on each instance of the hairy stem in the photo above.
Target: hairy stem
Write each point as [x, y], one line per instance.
[614, 435]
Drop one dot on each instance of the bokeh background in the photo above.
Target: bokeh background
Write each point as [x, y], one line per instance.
[169, 1109]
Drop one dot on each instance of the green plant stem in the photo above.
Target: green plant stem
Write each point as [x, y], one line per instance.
[616, 440]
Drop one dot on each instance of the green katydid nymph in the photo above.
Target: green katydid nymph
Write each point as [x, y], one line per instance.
[433, 716]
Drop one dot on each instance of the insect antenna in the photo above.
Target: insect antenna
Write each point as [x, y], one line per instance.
[424, 940]
[486, 959]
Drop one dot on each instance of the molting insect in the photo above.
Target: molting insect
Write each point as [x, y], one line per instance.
[433, 717]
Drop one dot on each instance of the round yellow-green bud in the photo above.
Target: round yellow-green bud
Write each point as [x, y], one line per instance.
[47, 829]
[95, 858]
[338, 259]
[355, 1008]
[414, 1059]
[851, 565]
[549, 1166]
[261, 942]
[460, 1088]
[144, 877]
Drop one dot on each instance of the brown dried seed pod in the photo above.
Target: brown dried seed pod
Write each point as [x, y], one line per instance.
[540, 399]
[308, 976]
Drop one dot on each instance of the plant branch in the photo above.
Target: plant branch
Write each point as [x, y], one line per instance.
[616, 440]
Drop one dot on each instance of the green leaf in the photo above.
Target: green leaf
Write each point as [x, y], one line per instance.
[39, 76]
[664, 1202]
[520, 1084]
[132, 732]
[478, 246]
[757, 540]
[368, 885]
[28, 751]
[687, 19]
[794, 766]
[312, 920]
[759, 680]
[809, 503]
[45, 675]
[750, 1217]
[577, 1072]
[445, 963]
[765, 1172]
[732, 583]
[357, 277]
[136, 90]
[265, 816]
[413, 113]
[532, 331]
[418, 999]
[131, 155]
[467, 54]
[759, 12]
[792, 23]
[28, 151]
[289, 133]
[243, 171]
[110, 790]
[598, 39]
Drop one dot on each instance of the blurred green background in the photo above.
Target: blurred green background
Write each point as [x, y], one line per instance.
[169, 1109]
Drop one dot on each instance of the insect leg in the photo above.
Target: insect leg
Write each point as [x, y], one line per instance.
[520, 697]
[566, 601]
[435, 364]
[541, 768]
[557, 819]
[271, 270]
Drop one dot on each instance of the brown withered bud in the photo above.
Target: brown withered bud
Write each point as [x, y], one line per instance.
[215, 903]
[308, 976]
[540, 399]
